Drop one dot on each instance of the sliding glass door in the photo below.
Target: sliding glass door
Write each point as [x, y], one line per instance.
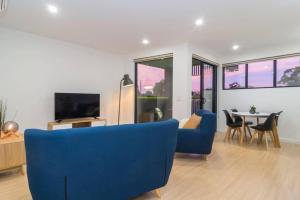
[204, 86]
[153, 96]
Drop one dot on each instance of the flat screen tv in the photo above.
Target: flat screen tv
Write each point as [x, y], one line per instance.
[75, 105]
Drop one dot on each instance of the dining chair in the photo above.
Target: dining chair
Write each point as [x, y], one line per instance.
[232, 125]
[238, 119]
[277, 117]
[262, 129]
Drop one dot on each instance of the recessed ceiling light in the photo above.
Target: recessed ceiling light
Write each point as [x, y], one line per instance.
[199, 22]
[52, 9]
[145, 42]
[235, 47]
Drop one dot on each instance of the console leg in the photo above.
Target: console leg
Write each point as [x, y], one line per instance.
[22, 170]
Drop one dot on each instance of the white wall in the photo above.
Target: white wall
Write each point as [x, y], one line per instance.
[266, 100]
[34, 67]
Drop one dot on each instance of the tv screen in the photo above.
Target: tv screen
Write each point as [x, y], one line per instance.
[74, 105]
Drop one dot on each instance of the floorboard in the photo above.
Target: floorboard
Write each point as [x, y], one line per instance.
[233, 172]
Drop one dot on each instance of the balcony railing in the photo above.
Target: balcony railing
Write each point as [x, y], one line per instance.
[195, 105]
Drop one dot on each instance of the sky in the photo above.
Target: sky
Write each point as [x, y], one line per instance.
[208, 76]
[148, 76]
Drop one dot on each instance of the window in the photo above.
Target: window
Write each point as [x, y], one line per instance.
[288, 72]
[196, 86]
[235, 76]
[203, 86]
[260, 74]
[154, 80]
[281, 72]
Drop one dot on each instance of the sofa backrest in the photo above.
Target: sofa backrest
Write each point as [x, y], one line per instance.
[111, 162]
[208, 121]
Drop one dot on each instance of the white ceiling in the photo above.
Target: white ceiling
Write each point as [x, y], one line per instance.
[120, 25]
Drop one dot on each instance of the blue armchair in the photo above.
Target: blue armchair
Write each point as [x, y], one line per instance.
[199, 140]
[111, 162]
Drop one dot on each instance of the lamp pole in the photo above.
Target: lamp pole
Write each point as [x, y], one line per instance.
[126, 81]
[120, 93]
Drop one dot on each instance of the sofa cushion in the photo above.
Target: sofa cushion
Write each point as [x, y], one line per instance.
[193, 122]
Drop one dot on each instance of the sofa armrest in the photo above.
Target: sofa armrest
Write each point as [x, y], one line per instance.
[199, 133]
[194, 141]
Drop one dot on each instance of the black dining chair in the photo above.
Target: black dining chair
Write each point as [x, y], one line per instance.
[232, 125]
[262, 129]
[277, 117]
[238, 119]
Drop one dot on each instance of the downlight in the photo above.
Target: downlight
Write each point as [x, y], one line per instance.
[3, 6]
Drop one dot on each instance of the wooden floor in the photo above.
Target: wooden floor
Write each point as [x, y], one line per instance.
[232, 172]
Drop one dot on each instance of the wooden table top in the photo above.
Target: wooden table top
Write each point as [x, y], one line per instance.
[12, 139]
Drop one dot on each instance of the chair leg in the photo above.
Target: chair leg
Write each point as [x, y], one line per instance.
[266, 137]
[234, 131]
[240, 134]
[249, 131]
[260, 137]
[253, 136]
[227, 135]
[245, 133]
[272, 137]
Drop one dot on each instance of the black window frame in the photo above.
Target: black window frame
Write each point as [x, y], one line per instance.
[214, 83]
[136, 63]
[247, 75]
[246, 78]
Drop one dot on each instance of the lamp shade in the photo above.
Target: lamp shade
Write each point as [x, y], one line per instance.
[127, 80]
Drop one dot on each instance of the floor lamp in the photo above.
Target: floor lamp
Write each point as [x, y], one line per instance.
[125, 81]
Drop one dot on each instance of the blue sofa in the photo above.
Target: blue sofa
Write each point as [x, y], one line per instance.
[199, 140]
[110, 163]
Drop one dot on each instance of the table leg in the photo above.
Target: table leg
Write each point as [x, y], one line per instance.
[243, 132]
[257, 120]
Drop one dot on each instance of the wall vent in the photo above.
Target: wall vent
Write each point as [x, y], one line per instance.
[3, 5]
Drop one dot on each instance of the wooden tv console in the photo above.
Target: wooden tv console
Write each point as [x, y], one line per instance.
[77, 123]
[12, 153]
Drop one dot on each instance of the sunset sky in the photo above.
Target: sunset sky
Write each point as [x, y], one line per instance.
[149, 76]
[208, 75]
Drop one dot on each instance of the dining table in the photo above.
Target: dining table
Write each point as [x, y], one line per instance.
[258, 116]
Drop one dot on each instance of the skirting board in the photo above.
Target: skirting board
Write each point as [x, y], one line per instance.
[289, 140]
[285, 140]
